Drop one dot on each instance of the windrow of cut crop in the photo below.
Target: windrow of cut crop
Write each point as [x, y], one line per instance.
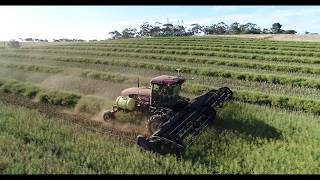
[231, 63]
[231, 40]
[178, 44]
[92, 104]
[103, 76]
[234, 63]
[17, 88]
[253, 97]
[235, 84]
[130, 78]
[268, 78]
[206, 49]
[81, 72]
[74, 100]
[210, 41]
[36, 68]
[31, 91]
[58, 98]
[87, 104]
[89, 55]
[174, 57]
[204, 44]
[199, 46]
[196, 46]
[308, 60]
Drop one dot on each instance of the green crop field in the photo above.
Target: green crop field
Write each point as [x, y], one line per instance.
[270, 127]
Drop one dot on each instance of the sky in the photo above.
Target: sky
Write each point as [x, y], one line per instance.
[95, 22]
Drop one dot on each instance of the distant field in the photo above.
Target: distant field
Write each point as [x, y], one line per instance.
[31, 44]
[279, 37]
[271, 127]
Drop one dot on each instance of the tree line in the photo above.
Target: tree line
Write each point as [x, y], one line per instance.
[59, 40]
[33, 40]
[168, 29]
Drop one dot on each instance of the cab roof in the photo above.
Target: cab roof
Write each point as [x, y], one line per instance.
[167, 80]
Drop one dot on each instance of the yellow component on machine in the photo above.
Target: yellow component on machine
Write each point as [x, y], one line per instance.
[125, 103]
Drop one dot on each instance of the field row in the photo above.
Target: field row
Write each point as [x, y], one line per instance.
[228, 62]
[288, 102]
[229, 39]
[68, 71]
[240, 66]
[268, 78]
[194, 44]
[195, 53]
[249, 50]
[87, 104]
[281, 101]
[240, 41]
[201, 44]
[134, 73]
[301, 71]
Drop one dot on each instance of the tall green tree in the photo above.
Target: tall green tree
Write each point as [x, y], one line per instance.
[129, 33]
[250, 28]
[221, 28]
[115, 35]
[209, 29]
[234, 28]
[196, 28]
[145, 29]
[179, 30]
[276, 28]
[155, 30]
[168, 29]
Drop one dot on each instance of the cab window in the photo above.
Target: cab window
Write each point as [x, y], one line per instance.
[156, 86]
[176, 90]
